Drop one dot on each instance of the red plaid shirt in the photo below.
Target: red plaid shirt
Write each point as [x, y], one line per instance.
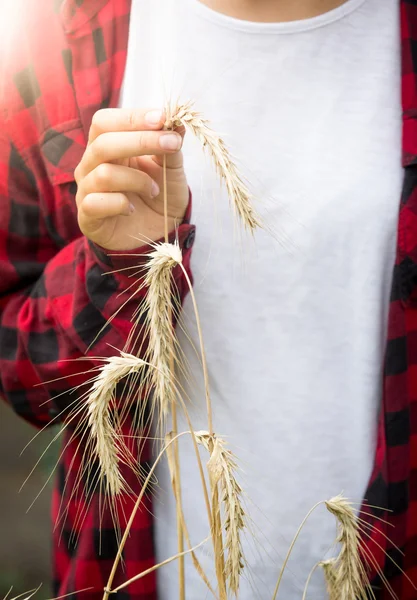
[53, 299]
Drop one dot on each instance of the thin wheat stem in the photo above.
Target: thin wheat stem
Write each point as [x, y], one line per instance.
[178, 498]
[313, 570]
[202, 350]
[200, 464]
[292, 546]
[132, 516]
[194, 437]
[72, 593]
[165, 187]
[216, 518]
[196, 562]
[158, 566]
[177, 480]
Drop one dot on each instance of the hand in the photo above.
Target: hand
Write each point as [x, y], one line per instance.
[120, 177]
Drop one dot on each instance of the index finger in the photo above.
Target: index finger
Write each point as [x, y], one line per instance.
[107, 120]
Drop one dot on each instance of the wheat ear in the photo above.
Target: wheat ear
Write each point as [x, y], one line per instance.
[158, 311]
[222, 469]
[100, 423]
[225, 166]
[330, 576]
[348, 574]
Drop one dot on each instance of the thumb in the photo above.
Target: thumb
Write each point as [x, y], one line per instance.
[175, 160]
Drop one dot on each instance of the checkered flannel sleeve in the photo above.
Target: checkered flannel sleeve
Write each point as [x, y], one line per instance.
[55, 302]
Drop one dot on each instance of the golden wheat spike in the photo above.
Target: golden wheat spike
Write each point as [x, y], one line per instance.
[103, 433]
[158, 302]
[222, 467]
[348, 576]
[239, 195]
[330, 576]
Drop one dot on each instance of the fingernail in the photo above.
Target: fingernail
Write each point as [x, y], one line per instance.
[153, 117]
[131, 208]
[170, 141]
[155, 189]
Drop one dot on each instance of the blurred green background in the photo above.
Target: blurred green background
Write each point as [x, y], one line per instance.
[25, 557]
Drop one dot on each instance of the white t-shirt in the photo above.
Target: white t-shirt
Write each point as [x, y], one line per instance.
[294, 323]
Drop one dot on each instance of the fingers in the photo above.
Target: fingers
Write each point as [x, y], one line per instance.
[119, 119]
[112, 146]
[173, 160]
[96, 207]
[117, 178]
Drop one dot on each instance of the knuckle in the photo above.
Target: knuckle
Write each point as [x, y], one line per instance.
[102, 174]
[86, 209]
[97, 119]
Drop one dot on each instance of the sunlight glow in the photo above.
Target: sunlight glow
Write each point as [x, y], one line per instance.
[10, 17]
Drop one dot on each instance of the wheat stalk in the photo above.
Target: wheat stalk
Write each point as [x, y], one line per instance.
[239, 195]
[158, 307]
[214, 510]
[310, 575]
[107, 590]
[222, 467]
[100, 423]
[347, 575]
[177, 478]
[155, 567]
[172, 471]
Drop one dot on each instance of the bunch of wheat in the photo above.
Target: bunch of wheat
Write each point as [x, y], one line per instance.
[345, 575]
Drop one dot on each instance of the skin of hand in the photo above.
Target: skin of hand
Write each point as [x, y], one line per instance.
[120, 178]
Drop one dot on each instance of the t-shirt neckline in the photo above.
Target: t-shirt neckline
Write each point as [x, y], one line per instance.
[276, 28]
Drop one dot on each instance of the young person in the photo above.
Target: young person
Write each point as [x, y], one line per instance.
[312, 387]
